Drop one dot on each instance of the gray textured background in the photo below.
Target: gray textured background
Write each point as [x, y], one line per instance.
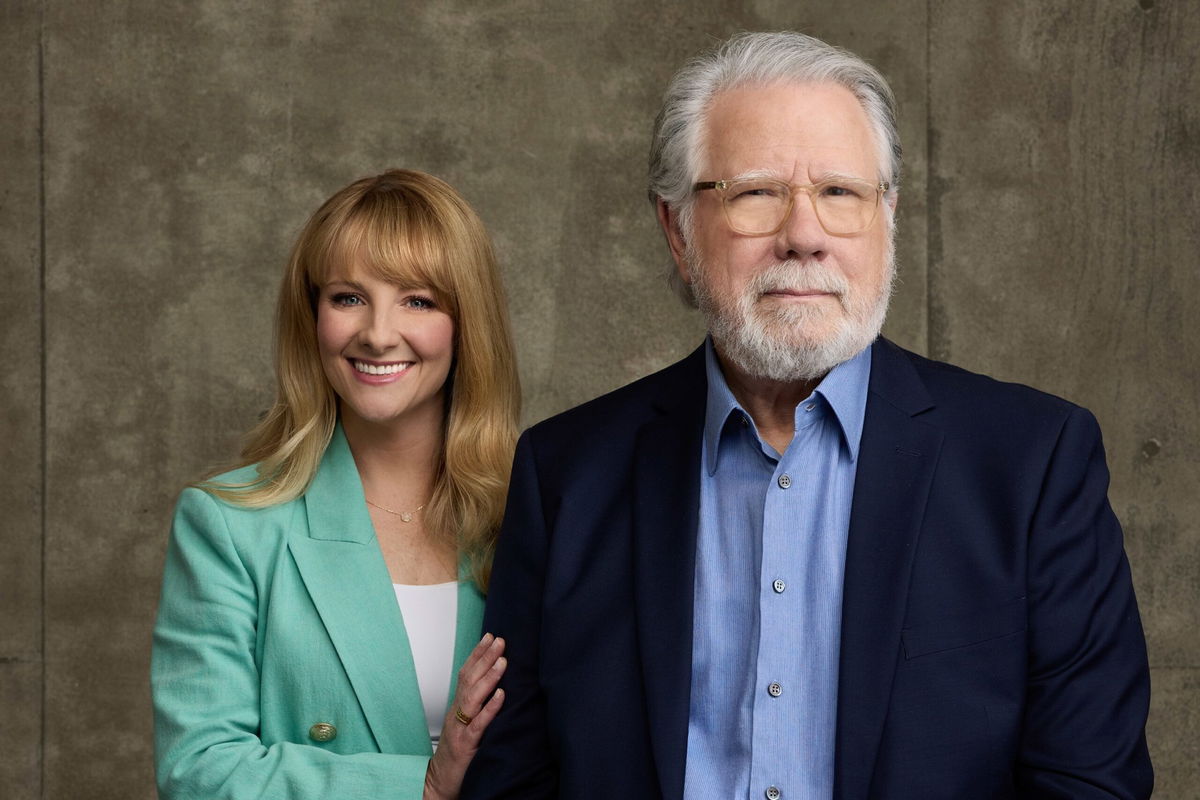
[158, 158]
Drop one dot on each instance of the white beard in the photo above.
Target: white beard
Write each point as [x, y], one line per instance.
[788, 342]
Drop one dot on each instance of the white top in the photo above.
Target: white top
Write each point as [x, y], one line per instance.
[430, 616]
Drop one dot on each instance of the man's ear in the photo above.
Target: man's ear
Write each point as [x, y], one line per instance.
[668, 219]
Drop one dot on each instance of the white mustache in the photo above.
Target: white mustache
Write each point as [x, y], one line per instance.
[798, 276]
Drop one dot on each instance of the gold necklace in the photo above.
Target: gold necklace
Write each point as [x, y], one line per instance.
[405, 516]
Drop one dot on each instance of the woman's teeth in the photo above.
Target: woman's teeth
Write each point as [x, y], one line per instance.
[380, 369]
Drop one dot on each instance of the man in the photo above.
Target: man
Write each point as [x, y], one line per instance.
[804, 563]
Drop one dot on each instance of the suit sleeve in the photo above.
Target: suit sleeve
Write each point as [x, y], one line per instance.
[1083, 734]
[515, 759]
[205, 684]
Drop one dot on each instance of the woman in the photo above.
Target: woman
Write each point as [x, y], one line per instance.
[318, 599]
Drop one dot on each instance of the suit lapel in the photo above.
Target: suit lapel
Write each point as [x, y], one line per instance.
[344, 572]
[895, 470]
[666, 497]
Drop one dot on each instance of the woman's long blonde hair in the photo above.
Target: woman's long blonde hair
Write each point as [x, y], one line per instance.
[414, 229]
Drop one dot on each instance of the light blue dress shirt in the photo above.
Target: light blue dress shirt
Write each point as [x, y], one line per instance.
[770, 558]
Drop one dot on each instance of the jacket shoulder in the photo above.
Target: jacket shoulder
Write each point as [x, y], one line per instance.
[949, 383]
[628, 407]
[972, 406]
[199, 508]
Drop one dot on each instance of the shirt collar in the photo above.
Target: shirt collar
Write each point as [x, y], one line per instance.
[844, 390]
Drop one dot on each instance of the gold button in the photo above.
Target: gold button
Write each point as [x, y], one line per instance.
[322, 732]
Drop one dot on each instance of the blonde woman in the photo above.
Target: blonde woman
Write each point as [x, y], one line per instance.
[319, 600]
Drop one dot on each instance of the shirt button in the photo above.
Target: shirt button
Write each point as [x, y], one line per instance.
[322, 732]
[810, 406]
[779, 586]
[774, 690]
[785, 481]
[773, 793]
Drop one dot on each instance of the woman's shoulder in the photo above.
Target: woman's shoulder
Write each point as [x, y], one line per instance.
[216, 540]
[240, 475]
[216, 501]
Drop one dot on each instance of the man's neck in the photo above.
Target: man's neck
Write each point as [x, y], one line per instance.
[771, 404]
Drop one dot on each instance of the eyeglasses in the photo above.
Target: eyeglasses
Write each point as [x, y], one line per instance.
[760, 206]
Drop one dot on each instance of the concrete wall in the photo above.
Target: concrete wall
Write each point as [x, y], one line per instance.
[157, 159]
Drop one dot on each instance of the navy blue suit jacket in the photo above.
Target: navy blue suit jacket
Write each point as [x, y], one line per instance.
[991, 645]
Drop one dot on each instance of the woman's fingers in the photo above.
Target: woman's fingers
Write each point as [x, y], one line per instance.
[477, 694]
[480, 674]
[444, 775]
[486, 714]
[482, 656]
[478, 651]
[476, 703]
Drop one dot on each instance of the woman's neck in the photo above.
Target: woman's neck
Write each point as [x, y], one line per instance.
[397, 464]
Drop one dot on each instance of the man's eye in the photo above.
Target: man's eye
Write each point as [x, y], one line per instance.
[757, 191]
[841, 190]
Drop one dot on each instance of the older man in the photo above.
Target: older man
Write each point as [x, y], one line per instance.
[802, 562]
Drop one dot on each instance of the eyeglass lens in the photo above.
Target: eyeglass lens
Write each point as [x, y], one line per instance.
[756, 206]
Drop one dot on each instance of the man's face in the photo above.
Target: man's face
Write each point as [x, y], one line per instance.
[792, 305]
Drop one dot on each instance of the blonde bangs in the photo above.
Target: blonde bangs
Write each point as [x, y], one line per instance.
[398, 239]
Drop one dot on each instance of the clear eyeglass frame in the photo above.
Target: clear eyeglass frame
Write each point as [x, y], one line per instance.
[727, 188]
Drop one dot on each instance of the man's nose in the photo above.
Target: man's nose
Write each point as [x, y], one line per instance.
[802, 235]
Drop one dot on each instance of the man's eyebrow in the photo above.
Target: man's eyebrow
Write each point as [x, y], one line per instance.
[756, 173]
[840, 176]
[773, 175]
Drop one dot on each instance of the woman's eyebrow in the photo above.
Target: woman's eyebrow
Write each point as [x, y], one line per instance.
[344, 283]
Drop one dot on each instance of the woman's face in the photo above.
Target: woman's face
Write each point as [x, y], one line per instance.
[386, 351]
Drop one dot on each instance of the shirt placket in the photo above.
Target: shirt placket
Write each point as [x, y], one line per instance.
[781, 693]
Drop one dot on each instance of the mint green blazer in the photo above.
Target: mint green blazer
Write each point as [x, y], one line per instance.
[274, 620]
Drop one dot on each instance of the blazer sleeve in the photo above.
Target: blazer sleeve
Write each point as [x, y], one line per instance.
[1088, 684]
[515, 758]
[205, 685]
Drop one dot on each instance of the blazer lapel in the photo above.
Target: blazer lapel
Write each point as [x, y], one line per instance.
[895, 470]
[469, 625]
[344, 572]
[666, 497]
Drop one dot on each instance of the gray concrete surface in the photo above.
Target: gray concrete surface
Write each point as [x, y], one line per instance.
[1064, 242]
[1048, 234]
[20, 405]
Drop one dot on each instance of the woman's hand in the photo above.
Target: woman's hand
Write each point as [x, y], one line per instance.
[476, 701]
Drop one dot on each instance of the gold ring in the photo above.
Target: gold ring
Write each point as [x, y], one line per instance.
[461, 717]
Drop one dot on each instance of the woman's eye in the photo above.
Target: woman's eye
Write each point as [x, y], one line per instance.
[421, 302]
[346, 299]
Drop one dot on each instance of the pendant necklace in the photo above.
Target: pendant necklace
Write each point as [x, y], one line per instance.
[405, 516]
